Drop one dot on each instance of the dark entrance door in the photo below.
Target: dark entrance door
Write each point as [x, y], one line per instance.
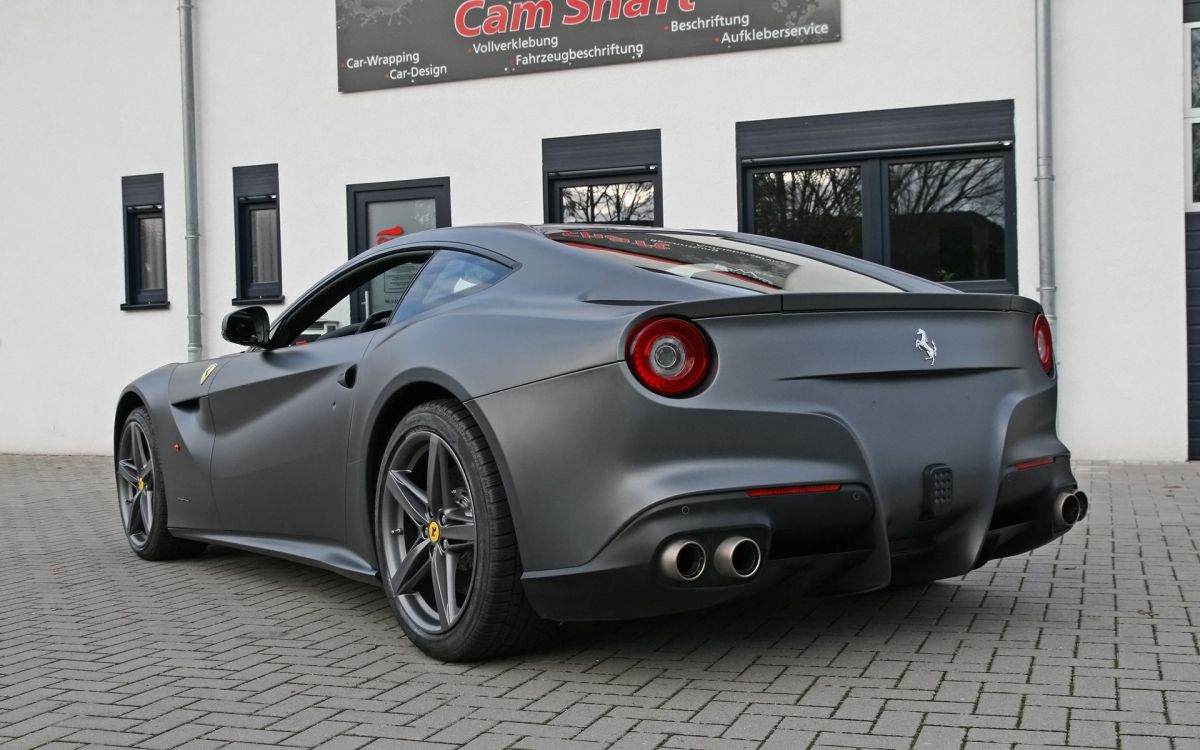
[382, 211]
[1192, 250]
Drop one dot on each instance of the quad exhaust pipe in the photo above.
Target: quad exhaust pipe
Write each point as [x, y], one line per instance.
[1070, 508]
[685, 560]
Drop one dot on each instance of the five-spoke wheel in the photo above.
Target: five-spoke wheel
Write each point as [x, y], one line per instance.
[140, 492]
[135, 488]
[444, 538]
[429, 555]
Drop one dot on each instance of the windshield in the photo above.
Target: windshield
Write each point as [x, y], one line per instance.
[720, 260]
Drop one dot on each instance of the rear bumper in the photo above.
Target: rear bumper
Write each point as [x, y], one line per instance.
[823, 543]
[830, 531]
[601, 476]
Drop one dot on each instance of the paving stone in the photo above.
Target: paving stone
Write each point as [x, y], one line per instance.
[789, 739]
[1088, 642]
[939, 738]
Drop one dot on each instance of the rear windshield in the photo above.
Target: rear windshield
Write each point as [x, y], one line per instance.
[719, 260]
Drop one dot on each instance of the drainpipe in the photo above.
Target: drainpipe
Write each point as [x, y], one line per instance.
[1045, 165]
[191, 234]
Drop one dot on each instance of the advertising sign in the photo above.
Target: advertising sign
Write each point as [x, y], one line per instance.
[397, 43]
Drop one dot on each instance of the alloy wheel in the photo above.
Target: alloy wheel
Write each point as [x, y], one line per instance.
[135, 483]
[429, 532]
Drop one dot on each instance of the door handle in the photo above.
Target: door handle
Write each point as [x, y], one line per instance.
[348, 377]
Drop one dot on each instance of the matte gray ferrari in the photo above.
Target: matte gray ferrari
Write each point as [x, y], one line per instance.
[512, 426]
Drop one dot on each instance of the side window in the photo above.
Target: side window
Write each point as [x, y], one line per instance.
[607, 178]
[449, 275]
[361, 302]
[386, 290]
[145, 242]
[256, 199]
[620, 199]
[1191, 104]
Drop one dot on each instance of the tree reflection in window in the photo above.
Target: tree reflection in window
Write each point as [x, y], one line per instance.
[821, 207]
[1195, 68]
[1196, 162]
[612, 203]
[948, 218]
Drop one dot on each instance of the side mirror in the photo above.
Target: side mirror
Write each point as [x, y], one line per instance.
[248, 326]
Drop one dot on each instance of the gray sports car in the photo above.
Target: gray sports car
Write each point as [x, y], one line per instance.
[513, 426]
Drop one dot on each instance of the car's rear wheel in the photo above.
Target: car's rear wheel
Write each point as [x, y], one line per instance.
[140, 494]
[445, 540]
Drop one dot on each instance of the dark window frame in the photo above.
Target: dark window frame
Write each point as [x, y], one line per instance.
[255, 188]
[872, 141]
[600, 159]
[142, 198]
[360, 194]
[868, 183]
[1006, 285]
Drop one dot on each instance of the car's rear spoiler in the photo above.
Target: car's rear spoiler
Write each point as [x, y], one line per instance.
[850, 302]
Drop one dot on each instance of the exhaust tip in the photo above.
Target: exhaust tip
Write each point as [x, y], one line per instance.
[683, 560]
[1083, 504]
[1068, 510]
[738, 557]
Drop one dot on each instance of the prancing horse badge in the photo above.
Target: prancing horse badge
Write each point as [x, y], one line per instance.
[207, 371]
[926, 346]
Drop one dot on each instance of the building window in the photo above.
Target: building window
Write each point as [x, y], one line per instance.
[602, 201]
[256, 198]
[1191, 105]
[948, 218]
[822, 205]
[145, 242]
[929, 191]
[611, 178]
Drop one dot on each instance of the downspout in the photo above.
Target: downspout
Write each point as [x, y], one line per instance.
[191, 234]
[1045, 166]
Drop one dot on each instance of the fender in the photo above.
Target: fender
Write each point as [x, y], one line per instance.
[173, 394]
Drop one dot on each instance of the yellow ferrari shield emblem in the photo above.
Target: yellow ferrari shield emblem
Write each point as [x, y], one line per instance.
[435, 532]
[207, 371]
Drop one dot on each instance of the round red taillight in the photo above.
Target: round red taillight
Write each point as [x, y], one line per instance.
[1043, 343]
[670, 356]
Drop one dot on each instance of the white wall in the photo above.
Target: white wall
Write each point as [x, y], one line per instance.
[89, 92]
[267, 93]
[1120, 194]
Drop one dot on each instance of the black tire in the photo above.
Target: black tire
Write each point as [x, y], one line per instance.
[143, 506]
[494, 617]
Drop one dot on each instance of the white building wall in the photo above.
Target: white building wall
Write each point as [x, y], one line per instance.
[267, 93]
[1120, 192]
[89, 92]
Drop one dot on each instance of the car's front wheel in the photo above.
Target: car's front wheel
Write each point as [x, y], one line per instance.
[445, 541]
[141, 497]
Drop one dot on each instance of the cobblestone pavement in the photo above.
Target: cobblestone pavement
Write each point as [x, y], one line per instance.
[1090, 642]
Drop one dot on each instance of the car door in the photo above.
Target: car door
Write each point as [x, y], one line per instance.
[282, 416]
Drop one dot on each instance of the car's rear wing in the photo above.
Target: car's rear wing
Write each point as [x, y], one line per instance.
[848, 302]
